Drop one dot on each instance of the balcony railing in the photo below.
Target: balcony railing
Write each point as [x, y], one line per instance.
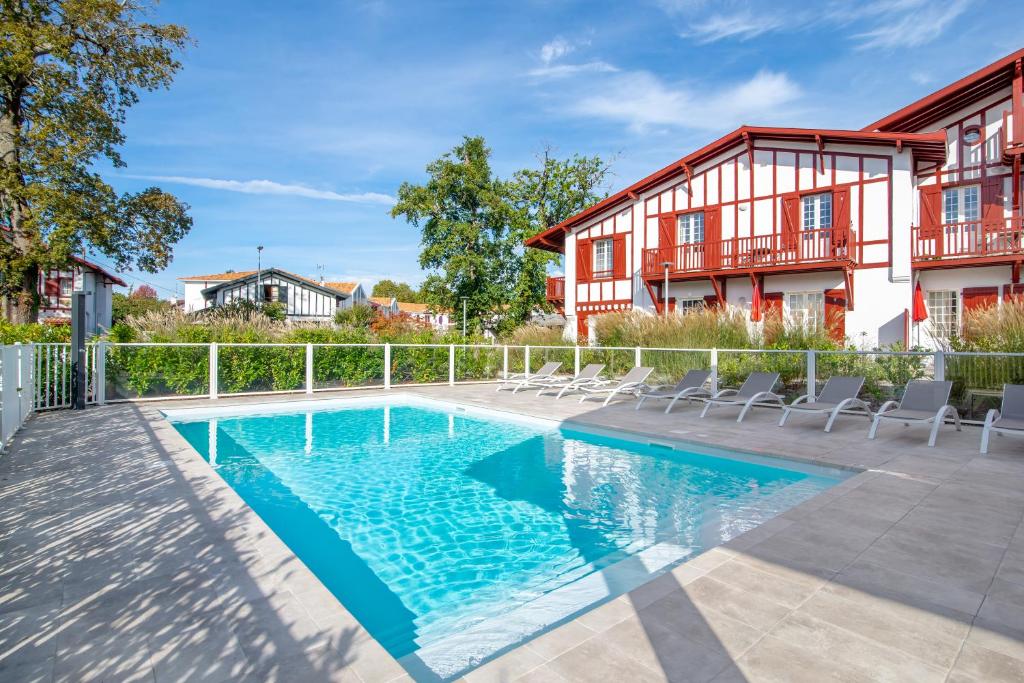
[556, 289]
[972, 239]
[751, 253]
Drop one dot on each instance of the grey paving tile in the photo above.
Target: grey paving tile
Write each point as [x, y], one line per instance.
[981, 664]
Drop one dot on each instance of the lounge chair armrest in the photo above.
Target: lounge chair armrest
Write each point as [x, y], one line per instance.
[800, 399]
[886, 407]
[991, 416]
[726, 392]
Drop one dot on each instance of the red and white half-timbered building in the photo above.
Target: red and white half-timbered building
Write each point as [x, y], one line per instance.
[834, 226]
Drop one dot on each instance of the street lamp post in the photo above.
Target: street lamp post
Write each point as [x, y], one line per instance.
[666, 265]
[259, 269]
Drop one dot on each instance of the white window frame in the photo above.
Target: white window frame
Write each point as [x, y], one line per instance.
[690, 228]
[67, 285]
[690, 304]
[816, 212]
[604, 251]
[944, 310]
[961, 204]
[805, 309]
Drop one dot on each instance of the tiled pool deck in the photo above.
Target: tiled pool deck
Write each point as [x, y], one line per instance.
[124, 557]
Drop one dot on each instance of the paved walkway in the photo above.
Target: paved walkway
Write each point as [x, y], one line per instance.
[124, 557]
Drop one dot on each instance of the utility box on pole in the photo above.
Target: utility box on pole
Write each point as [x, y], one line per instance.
[78, 378]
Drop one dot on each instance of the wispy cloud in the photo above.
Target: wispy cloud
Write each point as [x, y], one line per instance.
[555, 49]
[641, 100]
[269, 187]
[564, 70]
[911, 24]
[742, 26]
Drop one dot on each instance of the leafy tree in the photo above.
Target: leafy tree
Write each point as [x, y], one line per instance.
[473, 226]
[399, 290]
[69, 71]
[144, 292]
[122, 306]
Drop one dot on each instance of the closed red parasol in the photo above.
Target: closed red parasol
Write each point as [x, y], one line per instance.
[920, 310]
[755, 304]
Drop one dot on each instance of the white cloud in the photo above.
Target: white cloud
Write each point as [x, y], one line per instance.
[269, 187]
[555, 49]
[642, 100]
[563, 70]
[911, 24]
[742, 26]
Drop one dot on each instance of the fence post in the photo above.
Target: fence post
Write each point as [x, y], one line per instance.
[812, 379]
[451, 365]
[714, 371]
[101, 373]
[309, 368]
[526, 363]
[213, 370]
[940, 366]
[387, 366]
[576, 360]
[636, 357]
[504, 361]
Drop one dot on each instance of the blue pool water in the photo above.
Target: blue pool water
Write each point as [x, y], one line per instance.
[451, 534]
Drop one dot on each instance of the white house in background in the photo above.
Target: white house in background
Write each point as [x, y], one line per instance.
[304, 299]
[56, 286]
[354, 290]
[835, 226]
[439, 320]
[385, 305]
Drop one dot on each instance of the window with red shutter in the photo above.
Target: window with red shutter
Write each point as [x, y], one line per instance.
[835, 314]
[979, 297]
[931, 212]
[790, 220]
[840, 220]
[1013, 292]
[619, 256]
[993, 199]
[582, 260]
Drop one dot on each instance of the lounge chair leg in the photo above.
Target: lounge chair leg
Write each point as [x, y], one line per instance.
[785, 415]
[608, 399]
[874, 427]
[707, 407]
[671, 404]
[743, 413]
[640, 402]
[984, 440]
[831, 420]
[935, 431]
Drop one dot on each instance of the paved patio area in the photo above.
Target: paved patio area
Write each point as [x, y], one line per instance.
[124, 557]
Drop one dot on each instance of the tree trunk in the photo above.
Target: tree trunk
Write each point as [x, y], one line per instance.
[21, 296]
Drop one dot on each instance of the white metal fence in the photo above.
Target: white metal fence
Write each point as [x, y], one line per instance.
[38, 376]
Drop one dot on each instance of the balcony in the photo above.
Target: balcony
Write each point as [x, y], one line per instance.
[1012, 135]
[982, 242]
[808, 250]
[556, 289]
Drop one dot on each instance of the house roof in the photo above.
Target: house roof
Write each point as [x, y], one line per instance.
[100, 269]
[410, 307]
[247, 275]
[941, 103]
[382, 300]
[343, 287]
[219, 277]
[926, 146]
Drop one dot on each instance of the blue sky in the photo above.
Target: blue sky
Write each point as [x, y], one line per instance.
[292, 124]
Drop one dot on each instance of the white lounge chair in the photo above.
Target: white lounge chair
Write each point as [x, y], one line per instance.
[632, 384]
[1009, 419]
[838, 395]
[923, 402]
[587, 376]
[757, 388]
[522, 380]
[691, 386]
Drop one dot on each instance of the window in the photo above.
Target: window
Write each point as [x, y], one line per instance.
[806, 309]
[944, 313]
[972, 135]
[961, 204]
[689, 305]
[690, 228]
[817, 211]
[66, 285]
[603, 258]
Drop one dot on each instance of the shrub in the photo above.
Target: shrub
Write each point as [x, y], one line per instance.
[536, 335]
[122, 307]
[42, 333]
[355, 316]
[701, 329]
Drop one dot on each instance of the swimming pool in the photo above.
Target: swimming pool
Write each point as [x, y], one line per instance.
[452, 533]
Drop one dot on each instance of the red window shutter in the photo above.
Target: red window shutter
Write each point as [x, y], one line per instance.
[773, 307]
[713, 237]
[583, 257]
[52, 287]
[619, 256]
[710, 301]
[790, 220]
[993, 215]
[979, 297]
[840, 216]
[666, 231]
[931, 212]
[835, 314]
[1013, 292]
